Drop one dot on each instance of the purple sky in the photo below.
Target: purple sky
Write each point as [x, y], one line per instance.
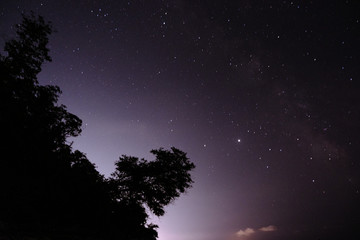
[262, 95]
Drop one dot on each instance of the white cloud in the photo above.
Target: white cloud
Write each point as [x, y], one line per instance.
[247, 232]
[250, 231]
[270, 228]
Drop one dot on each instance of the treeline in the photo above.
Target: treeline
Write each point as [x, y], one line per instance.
[50, 191]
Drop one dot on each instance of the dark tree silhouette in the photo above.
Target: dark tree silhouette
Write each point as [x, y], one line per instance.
[156, 183]
[36, 163]
[47, 190]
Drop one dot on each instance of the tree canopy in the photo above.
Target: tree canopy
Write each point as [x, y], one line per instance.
[156, 183]
[50, 190]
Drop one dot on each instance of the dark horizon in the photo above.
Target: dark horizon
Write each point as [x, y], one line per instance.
[262, 96]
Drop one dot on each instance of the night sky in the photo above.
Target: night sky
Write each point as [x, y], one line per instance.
[262, 95]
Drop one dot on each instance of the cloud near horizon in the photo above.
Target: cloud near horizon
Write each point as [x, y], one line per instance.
[270, 228]
[250, 231]
[247, 232]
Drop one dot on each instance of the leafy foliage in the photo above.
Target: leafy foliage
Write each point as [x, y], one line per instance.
[48, 189]
[155, 183]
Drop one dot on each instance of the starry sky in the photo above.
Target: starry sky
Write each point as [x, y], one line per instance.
[262, 95]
